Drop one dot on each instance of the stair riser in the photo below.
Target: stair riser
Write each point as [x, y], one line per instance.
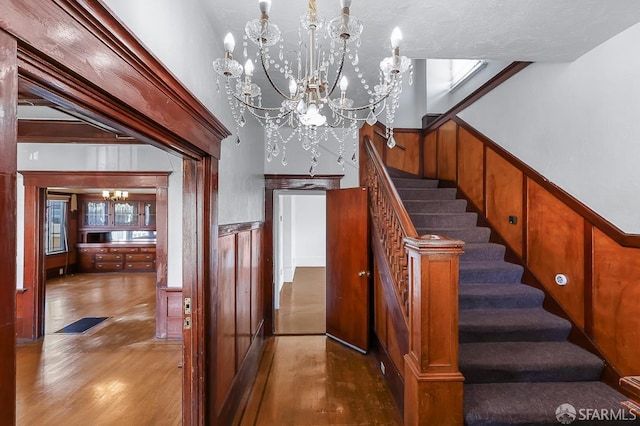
[438, 206]
[469, 334]
[414, 183]
[472, 235]
[499, 302]
[487, 374]
[490, 276]
[450, 220]
[427, 194]
[489, 252]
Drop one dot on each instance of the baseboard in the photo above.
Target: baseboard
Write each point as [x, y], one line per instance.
[243, 381]
[391, 375]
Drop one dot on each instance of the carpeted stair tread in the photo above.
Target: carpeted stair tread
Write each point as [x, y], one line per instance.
[435, 206]
[517, 363]
[483, 251]
[468, 235]
[444, 220]
[511, 325]
[500, 362]
[535, 404]
[414, 183]
[490, 271]
[427, 193]
[499, 296]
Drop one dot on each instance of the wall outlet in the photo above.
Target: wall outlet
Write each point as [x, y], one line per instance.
[561, 279]
[61, 271]
[383, 368]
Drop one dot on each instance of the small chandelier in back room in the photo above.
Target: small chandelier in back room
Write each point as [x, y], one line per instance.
[310, 104]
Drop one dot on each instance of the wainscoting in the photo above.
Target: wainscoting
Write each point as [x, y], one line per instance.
[550, 233]
[239, 314]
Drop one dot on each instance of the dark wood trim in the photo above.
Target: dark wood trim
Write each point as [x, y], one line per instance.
[95, 179]
[125, 95]
[588, 280]
[234, 228]
[509, 71]
[612, 231]
[429, 118]
[193, 359]
[58, 70]
[274, 182]
[8, 200]
[57, 131]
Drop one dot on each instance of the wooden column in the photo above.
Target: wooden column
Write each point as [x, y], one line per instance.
[8, 137]
[433, 383]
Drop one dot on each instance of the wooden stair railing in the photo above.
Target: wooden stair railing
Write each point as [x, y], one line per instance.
[424, 271]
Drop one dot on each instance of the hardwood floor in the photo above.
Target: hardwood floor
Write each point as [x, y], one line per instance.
[116, 373]
[303, 303]
[313, 380]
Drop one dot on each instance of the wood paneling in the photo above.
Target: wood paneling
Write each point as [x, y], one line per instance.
[405, 155]
[555, 245]
[504, 187]
[226, 324]
[243, 295]
[430, 155]
[239, 314]
[169, 313]
[447, 138]
[616, 300]
[471, 167]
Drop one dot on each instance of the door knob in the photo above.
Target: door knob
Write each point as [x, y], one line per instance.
[363, 273]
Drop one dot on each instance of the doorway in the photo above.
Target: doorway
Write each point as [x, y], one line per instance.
[300, 262]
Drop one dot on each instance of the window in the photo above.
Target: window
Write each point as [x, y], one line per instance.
[462, 70]
[56, 227]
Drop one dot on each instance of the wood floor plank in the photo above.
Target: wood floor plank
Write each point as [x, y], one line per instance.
[313, 380]
[116, 373]
[303, 303]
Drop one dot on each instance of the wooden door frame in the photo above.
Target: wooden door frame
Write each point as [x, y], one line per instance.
[90, 64]
[35, 184]
[273, 183]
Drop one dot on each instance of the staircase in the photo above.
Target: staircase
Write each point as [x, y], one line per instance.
[519, 367]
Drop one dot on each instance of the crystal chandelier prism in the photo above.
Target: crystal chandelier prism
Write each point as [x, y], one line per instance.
[315, 103]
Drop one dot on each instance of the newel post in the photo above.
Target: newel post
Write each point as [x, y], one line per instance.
[433, 383]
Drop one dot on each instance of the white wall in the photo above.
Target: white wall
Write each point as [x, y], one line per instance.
[309, 229]
[413, 100]
[180, 35]
[577, 124]
[299, 160]
[90, 157]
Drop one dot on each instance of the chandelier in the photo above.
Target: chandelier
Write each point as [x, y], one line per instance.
[116, 195]
[315, 103]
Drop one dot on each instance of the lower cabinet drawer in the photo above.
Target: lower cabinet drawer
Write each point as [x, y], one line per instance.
[109, 257]
[140, 257]
[109, 266]
[140, 266]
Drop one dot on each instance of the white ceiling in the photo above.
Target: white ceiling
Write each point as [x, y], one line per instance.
[514, 30]
[501, 30]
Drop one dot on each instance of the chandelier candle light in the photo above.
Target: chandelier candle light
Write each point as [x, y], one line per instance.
[310, 105]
